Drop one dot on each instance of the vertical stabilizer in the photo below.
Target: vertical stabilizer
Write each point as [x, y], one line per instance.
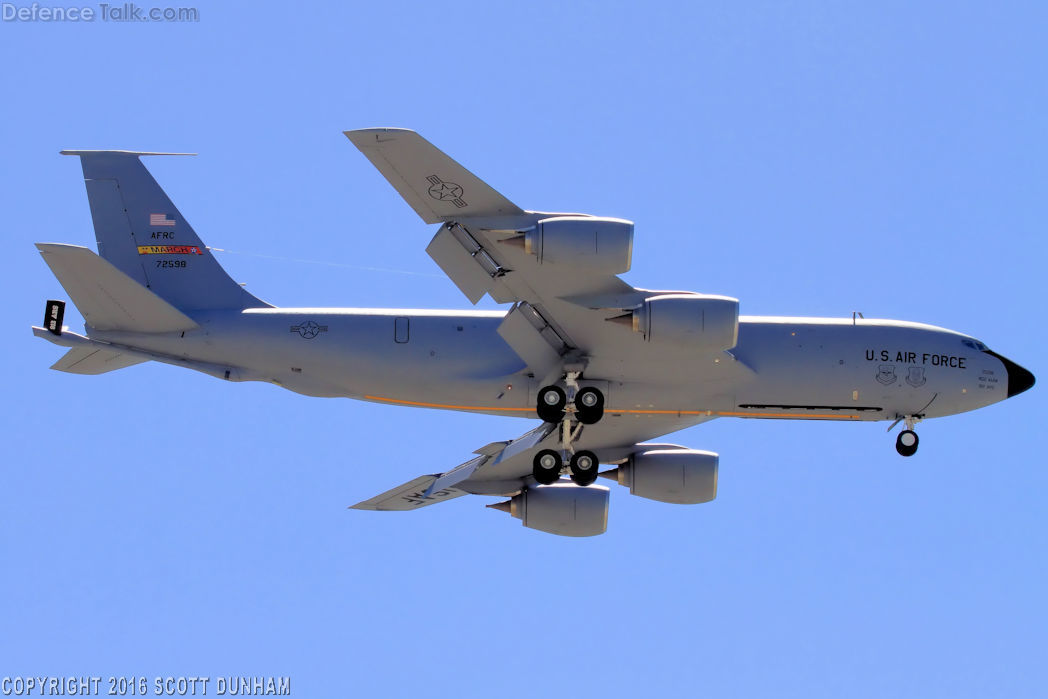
[141, 233]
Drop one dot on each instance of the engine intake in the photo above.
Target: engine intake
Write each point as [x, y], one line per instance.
[588, 243]
[564, 509]
[701, 321]
[679, 476]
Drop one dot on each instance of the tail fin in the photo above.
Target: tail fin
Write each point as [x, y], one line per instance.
[141, 233]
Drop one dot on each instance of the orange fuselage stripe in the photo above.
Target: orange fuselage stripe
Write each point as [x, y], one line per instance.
[709, 413]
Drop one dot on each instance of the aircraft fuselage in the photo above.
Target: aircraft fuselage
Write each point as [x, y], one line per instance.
[801, 368]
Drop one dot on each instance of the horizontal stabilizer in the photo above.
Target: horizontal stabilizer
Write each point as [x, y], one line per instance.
[91, 360]
[106, 297]
[410, 496]
[436, 187]
[72, 339]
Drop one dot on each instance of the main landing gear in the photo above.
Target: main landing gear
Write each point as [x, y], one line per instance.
[548, 464]
[589, 405]
[907, 441]
[587, 408]
[553, 401]
[583, 466]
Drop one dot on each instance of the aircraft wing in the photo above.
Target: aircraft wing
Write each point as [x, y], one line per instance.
[427, 490]
[560, 309]
[504, 468]
[436, 187]
[410, 496]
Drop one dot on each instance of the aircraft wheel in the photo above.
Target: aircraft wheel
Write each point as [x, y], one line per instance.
[546, 466]
[906, 443]
[584, 466]
[589, 405]
[550, 404]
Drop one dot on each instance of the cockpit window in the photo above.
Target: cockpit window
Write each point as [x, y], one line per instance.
[974, 344]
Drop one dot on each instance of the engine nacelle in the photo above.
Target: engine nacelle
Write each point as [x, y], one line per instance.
[565, 509]
[699, 321]
[678, 476]
[588, 243]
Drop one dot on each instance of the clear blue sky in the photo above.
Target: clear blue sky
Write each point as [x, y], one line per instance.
[807, 158]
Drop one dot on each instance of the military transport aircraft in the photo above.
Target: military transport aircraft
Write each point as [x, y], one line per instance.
[605, 366]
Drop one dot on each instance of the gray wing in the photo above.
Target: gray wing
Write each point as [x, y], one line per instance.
[434, 185]
[504, 468]
[563, 297]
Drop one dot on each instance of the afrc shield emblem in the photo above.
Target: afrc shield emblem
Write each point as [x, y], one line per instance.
[915, 377]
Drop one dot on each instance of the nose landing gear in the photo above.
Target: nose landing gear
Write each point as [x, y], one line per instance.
[907, 441]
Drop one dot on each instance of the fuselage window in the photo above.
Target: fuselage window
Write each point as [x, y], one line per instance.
[402, 330]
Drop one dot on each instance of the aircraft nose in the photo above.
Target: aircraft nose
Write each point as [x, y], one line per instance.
[1019, 379]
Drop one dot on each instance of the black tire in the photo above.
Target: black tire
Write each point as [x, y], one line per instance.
[546, 466]
[589, 405]
[550, 404]
[906, 443]
[584, 466]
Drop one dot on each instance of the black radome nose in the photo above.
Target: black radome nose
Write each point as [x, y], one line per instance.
[1019, 379]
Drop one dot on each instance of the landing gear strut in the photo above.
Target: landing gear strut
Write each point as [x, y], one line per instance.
[907, 441]
[552, 406]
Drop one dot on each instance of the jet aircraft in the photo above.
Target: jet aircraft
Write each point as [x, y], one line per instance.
[606, 367]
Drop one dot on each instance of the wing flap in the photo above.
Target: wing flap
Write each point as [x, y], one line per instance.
[460, 266]
[456, 475]
[528, 342]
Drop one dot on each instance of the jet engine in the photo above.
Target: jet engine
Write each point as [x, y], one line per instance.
[675, 475]
[589, 243]
[694, 320]
[561, 508]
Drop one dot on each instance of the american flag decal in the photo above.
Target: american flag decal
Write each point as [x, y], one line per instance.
[161, 221]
